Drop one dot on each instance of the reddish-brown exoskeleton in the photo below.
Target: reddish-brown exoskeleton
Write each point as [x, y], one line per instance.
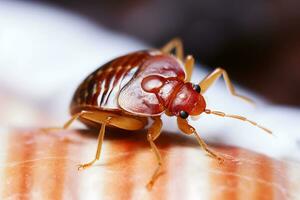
[129, 90]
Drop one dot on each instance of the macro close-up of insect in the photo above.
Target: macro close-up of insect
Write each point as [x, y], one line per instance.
[137, 88]
[164, 100]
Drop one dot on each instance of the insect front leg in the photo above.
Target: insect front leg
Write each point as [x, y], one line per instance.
[189, 66]
[174, 44]
[99, 147]
[215, 75]
[188, 129]
[153, 133]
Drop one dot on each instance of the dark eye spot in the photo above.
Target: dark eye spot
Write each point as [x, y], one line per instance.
[197, 88]
[183, 114]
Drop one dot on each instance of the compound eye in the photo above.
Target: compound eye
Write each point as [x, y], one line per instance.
[183, 114]
[197, 88]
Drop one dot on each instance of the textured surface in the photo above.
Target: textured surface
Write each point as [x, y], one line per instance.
[34, 165]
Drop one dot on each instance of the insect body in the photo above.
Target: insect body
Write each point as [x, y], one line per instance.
[129, 90]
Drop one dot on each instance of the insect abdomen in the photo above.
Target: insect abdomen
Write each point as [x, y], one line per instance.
[101, 88]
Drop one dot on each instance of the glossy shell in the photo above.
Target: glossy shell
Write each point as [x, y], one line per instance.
[117, 85]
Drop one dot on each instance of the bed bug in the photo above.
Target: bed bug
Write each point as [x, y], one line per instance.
[129, 90]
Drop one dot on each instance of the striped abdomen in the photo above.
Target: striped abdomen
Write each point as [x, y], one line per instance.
[101, 88]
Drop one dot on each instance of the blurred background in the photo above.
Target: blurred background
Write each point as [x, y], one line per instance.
[256, 41]
[48, 47]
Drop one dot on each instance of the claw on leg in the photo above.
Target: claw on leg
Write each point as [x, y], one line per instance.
[184, 126]
[98, 152]
[153, 133]
[214, 156]
[86, 165]
[154, 176]
[50, 129]
[208, 151]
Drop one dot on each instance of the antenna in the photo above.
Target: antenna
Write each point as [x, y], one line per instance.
[221, 114]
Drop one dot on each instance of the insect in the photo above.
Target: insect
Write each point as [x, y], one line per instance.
[129, 90]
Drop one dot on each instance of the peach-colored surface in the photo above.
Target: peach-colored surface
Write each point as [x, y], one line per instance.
[36, 165]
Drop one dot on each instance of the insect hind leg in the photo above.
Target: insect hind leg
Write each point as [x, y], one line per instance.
[153, 133]
[99, 146]
[67, 124]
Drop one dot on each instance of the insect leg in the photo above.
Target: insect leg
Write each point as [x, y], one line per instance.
[174, 44]
[215, 75]
[153, 133]
[67, 124]
[189, 65]
[188, 129]
[100, 141]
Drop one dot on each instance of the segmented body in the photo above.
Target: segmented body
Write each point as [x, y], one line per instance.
[117, 86]
[101, 88]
